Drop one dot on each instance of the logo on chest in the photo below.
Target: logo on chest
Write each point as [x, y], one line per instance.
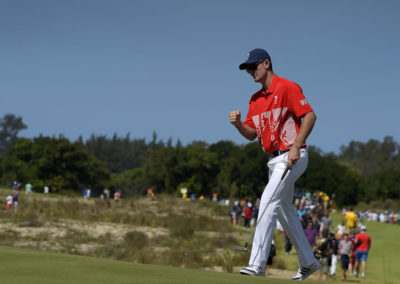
[270, 120]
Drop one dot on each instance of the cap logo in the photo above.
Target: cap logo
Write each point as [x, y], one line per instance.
[248, 56]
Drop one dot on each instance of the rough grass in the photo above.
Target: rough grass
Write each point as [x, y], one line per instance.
[165, 231]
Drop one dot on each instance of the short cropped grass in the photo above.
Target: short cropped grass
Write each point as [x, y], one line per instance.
[26, 266]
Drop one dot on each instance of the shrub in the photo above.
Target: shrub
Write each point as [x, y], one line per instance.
[136, 240]
[182, 228]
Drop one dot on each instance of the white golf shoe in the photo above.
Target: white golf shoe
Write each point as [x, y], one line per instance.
[252, 270]
[304, 272]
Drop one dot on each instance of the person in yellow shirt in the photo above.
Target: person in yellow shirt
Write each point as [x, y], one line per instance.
[325, 200]
[351, 219]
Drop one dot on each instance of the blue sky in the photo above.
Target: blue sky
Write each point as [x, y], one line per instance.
[103, 67]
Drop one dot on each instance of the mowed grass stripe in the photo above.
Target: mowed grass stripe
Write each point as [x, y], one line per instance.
[26, 266]
[384, 257]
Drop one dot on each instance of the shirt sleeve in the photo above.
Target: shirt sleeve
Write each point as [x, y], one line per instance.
[297, 103]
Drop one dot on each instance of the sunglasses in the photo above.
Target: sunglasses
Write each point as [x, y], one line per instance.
[254, 66]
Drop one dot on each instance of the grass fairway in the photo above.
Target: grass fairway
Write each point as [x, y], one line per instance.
[27, 266]
[33, 267]
[384, 258]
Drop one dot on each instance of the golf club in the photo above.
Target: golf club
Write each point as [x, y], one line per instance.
[239, 248]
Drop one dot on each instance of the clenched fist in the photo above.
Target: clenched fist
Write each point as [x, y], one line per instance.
[235, 117]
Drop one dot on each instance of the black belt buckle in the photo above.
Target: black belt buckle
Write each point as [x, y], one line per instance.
[279, 152]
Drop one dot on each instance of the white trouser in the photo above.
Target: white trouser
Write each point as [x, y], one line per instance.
[278, 204]
[333, 264]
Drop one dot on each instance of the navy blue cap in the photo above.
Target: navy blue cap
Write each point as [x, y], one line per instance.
[254, 56]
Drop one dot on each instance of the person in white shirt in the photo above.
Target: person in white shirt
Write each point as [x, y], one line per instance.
[340, 230]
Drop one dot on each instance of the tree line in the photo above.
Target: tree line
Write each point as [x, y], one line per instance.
[360, 172]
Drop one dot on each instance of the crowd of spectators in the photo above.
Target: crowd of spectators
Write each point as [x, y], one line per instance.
[313, 211]
[245, 210]
[331, 245]
[383, 216]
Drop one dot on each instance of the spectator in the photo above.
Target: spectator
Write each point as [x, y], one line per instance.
[311, 234]
[9, 203]
[305, 219]
[320, 211]
[28, 188]
[232, 216]
[107, 193]
[272, 253]
[238, 212]
[325, 201]
[247, 215]
[351, 218]
[334, 251]
[46, 190]
[384, 218]
[254, 212]
[352, 238]
[15, 200]
[117, 196]
[315, 221]
[302, 211]
[326, 221]
[150, 193]
[288, 244]
[322, 253]
[340, 230]
[364, 244]
[345, 248]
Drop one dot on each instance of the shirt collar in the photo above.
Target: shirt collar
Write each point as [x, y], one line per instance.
[271, 86]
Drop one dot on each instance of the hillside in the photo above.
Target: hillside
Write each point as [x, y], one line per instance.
[164, 231]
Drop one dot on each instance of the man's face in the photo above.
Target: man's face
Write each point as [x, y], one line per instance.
[258, 70]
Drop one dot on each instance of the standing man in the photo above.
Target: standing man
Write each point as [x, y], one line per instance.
[351, 218]
[345, 248]
[281, 118]
[364, 244]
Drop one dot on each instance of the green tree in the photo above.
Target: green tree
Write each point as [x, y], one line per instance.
[53, 162]
[325, 174]
[10, 125]
[382, 186]
[130, 182]
[244, 173]
[371, 157]
[202, 168]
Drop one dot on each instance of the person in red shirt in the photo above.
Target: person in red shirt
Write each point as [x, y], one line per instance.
[281, 119]
[363, 242]
[247, 214]
[352, 261]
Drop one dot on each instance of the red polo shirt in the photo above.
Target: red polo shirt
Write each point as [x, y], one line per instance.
[365, 241]
[276, 114]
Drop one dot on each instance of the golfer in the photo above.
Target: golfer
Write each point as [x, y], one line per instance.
[281, 118]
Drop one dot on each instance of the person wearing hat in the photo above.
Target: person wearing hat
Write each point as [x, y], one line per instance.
[281, 118]
[363, 241]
